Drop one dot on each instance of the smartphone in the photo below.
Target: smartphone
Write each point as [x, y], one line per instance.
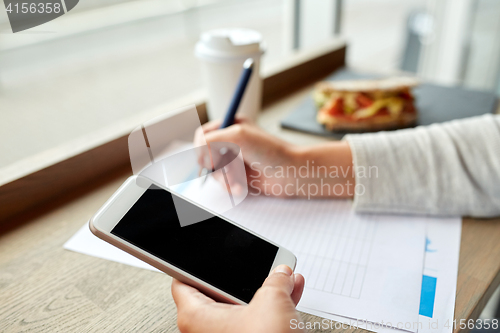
[222, 259]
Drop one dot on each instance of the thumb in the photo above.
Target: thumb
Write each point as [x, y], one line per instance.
[274, 302]
[281, 278]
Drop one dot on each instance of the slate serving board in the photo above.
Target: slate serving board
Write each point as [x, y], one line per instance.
[436, 104]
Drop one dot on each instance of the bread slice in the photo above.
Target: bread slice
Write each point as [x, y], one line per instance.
[371, 124]
[392, 84]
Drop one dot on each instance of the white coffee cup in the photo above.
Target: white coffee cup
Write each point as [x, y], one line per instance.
[223, 52]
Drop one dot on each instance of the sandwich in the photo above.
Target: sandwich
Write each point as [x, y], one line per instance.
[366, 105]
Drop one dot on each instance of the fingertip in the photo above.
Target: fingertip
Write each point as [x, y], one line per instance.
[179, 288]
[281, 278]
[300, 281]
[176, 284]
[283, 269]
[298, 288]
[176, 289]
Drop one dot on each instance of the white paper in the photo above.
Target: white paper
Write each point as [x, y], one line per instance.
[367, 267]
[441, 262]
[85, 242]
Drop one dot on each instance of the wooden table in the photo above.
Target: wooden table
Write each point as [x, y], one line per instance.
[44, 288]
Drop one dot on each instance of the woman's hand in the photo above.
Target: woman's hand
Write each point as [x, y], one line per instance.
[278, 168]
[262, 152]
[271, 310]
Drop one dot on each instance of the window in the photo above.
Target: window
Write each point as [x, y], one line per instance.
[376, 32]
[110, 60]
[482, 53]
[107, 61]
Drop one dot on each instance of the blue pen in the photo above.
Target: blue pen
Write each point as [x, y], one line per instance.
[235, 103]
[238, 93]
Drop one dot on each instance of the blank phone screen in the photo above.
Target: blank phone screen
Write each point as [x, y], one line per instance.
[214, 250]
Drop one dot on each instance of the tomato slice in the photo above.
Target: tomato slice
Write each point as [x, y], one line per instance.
[363, 100]
[336, 108]
[383, 112]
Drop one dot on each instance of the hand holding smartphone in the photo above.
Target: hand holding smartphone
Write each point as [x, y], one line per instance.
[271, 310]
[216, 256]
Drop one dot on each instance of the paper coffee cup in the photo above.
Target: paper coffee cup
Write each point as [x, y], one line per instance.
[223, 52]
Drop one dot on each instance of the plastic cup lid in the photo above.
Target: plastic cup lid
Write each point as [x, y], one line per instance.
[229, 43]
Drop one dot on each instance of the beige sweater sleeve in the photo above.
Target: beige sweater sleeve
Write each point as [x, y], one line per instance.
[443, 169]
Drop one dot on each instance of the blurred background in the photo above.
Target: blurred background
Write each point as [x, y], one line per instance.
[107, 60]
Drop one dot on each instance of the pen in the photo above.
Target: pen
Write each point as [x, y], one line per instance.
[238, 94]
[235, 102]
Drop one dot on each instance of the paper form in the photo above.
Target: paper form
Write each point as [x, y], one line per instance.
[439, 283]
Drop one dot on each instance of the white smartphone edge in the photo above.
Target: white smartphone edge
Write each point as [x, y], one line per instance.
[113, 210]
